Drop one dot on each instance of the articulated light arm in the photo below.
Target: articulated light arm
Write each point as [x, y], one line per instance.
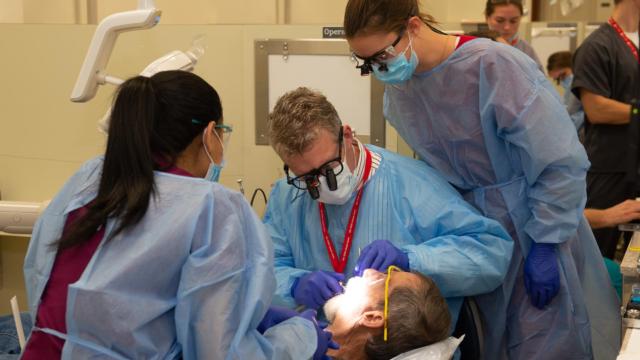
[175, 60]
[92, 72]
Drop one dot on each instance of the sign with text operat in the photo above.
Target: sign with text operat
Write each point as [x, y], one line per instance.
[333, 32]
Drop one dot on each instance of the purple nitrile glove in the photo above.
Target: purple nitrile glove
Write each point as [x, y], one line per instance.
[379, 255]
[541, 277]
[324, 337]
[274, 316]
[314, 289]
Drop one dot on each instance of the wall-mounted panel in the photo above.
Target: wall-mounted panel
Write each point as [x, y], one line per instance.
[324, 65]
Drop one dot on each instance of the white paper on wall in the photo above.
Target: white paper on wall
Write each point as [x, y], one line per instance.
[333, 75]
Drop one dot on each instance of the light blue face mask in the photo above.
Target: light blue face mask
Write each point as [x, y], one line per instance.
[399, 69]
[566, 82]
[213, 173]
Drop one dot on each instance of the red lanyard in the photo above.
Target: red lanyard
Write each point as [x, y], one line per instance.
[625, 38]
[340, 264]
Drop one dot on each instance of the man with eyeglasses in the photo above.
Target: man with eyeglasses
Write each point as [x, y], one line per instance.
[345, 207]
[381, 317]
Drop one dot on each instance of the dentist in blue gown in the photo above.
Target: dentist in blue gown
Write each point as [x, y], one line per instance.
[484, 116]
[341, 196]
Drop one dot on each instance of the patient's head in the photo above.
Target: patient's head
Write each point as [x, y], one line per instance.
[417, 316]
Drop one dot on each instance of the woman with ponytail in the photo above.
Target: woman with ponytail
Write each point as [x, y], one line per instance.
[143, 255]
[484, 116]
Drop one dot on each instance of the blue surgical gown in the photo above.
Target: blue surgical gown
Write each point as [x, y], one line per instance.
[491, 123]
[193, 279]
[407, 203]
[524, 46]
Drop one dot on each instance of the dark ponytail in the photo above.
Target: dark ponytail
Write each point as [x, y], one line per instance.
[151, 124]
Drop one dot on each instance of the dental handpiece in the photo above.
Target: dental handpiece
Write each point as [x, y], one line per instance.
[239, 181]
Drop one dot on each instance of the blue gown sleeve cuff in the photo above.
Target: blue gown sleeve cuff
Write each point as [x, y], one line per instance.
[293, 339]
[294, 285]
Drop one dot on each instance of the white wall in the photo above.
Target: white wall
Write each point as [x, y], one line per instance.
[49, 11]
[465, 10]
[11, 11]
[242, 12]
[202, 11]
[315, 12]
[435, 8]
[328, 12]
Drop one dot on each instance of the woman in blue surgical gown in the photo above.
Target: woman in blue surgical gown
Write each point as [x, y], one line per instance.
[139, 257]
[483, 115]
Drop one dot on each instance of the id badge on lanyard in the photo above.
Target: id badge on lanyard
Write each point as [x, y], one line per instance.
[625, 38]
[339, 264]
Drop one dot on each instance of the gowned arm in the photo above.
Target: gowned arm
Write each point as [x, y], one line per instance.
[554, 164]
[277, 227]
[226, 286]
[465, 253]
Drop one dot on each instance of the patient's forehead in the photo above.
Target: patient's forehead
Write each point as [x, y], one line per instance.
[404, 279]
[399, 279]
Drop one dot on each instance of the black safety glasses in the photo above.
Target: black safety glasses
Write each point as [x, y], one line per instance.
[380, 58]
[310, 181]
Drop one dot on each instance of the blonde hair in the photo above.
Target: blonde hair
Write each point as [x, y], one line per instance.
[297, 118]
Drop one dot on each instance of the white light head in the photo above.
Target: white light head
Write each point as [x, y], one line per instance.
[175, 60]
[92, 72]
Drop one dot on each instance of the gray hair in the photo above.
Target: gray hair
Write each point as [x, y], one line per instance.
[297, 118]
[418, 316]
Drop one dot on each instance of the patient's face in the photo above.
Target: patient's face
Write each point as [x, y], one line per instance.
[364, 293]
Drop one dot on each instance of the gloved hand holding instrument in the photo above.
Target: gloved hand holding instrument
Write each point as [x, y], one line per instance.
[379, 255]
[314, 289]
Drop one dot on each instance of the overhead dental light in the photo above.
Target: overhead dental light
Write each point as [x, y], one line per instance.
[175, 60]
[93, 72]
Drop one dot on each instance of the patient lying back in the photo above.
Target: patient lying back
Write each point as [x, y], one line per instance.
[417, 316]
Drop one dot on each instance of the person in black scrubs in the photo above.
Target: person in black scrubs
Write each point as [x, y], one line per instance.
[607, 81]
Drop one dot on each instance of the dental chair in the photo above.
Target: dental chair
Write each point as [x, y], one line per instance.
[470, 324]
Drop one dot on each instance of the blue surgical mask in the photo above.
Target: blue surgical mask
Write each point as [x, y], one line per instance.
[566, 82]
[399, 69]
[213, 173]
